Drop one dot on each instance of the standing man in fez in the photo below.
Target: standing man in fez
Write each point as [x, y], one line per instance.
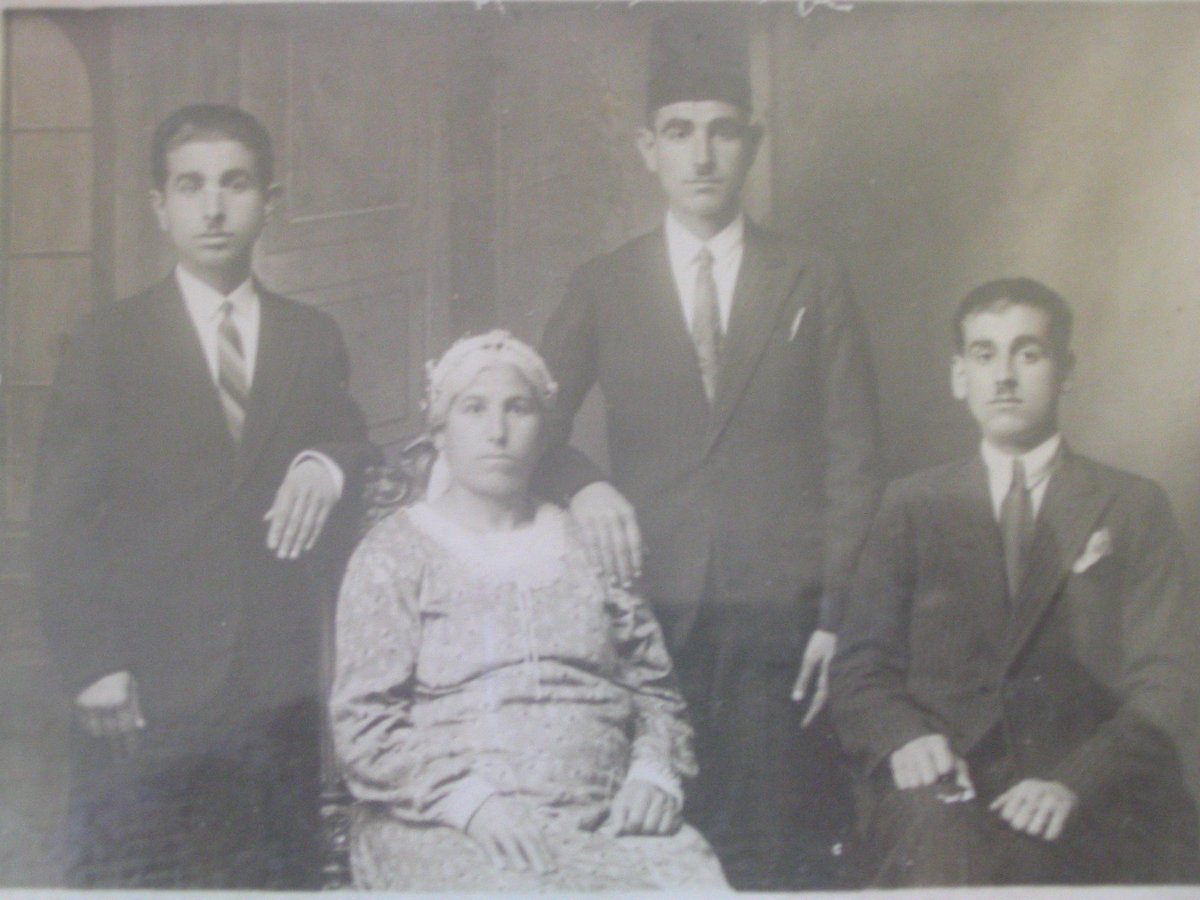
[743, 440]
[1013, 673]
[199, 443]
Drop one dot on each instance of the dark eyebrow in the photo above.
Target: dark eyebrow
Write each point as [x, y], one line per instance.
[677, 123]
[1029, 340]
[236, 173]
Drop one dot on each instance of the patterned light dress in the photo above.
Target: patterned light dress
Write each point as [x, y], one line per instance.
[471, 664]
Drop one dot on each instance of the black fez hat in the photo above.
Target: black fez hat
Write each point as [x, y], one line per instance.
[699, 53]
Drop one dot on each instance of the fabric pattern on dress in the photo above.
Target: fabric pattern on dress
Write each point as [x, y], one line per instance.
[471, 664]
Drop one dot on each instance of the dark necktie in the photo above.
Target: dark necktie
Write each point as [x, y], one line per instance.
[1016, 528]
[706, 323]
[232, 384]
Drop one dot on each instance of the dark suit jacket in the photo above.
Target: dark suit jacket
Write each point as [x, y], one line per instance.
[148, 521]
[1086, 672]
[765, 500]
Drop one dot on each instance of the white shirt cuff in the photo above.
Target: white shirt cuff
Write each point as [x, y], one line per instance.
[657, 775]
[464, 801]
[334, 470]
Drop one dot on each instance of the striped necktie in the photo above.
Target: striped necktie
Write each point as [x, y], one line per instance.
[706, 323]
[1016, 528]
[232, 384]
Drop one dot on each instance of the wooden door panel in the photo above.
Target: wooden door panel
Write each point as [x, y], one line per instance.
[353, 96]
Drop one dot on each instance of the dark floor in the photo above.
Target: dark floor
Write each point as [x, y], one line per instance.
[33, 727]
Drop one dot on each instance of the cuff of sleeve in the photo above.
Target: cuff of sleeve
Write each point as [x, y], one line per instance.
[334, 470]
[464, 801]
[657, 775]
[828, 613]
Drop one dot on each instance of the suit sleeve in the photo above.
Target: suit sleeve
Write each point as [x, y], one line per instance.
[1156, 684]
[872, 708]
[83, 624]
[342, 430]
[570, 350]
[851, 431]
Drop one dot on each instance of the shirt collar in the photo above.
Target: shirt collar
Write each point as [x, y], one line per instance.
[1038, 463]
[205, 300]
[683, 246]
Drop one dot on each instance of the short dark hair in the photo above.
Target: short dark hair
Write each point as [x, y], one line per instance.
[205, 121]
[998, 295]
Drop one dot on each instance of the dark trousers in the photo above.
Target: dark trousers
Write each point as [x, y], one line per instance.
[228, 809]
[919, 840]
[771, 798]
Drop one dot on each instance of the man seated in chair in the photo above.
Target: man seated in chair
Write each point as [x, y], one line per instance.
[1012, 674]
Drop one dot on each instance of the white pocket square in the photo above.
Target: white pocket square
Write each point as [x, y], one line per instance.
[1099, 545]
[796, 324]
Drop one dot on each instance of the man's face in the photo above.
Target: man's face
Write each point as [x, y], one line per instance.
[1009, 377]
[213, 209]
[700, 151]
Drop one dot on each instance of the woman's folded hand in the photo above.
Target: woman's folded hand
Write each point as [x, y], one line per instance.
[643, 808]
[510, 835]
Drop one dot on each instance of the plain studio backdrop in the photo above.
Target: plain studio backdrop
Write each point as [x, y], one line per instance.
[447, 166]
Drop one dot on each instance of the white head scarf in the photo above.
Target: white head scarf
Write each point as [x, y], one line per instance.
[457, 370]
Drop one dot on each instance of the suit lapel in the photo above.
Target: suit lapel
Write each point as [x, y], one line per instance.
[666, 317]
[975, 538]
[280, 347]
[763, 286]
[179, 361]
[1070, 510]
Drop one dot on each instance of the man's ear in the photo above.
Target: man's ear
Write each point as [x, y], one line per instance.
[958, 377]
[1066, 377]
[754, 136]
[271, 197]
[645, 141]
[158, 203]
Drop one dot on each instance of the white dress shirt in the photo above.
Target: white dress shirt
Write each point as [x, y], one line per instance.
[726, 248]
[203, 303]
[1038, 463]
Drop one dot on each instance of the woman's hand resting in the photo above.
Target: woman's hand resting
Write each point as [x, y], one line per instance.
[510, 835]
[643, 808]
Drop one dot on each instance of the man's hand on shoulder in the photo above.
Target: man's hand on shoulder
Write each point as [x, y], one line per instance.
[928, 760]
[611, 536]
[301, 508]
[814, 669]
[109, 706]
[1038, 808]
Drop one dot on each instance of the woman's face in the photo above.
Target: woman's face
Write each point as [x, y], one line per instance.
[492, 437]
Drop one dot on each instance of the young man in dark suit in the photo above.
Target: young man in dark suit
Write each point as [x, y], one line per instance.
[199, 441]
[742, 433]
[1013, 672]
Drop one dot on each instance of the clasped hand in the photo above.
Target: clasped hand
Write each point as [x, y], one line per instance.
[509, 833]
[1035, 806]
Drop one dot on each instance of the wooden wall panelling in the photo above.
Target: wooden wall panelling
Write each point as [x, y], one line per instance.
[354, 97]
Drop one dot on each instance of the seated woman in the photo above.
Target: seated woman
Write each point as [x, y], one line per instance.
[505, 718]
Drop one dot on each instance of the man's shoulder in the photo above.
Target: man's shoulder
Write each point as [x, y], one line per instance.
[297, 312]
[1127, 487]
[797, 247]
[116, 318]
[938, 481]
[622, 259]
